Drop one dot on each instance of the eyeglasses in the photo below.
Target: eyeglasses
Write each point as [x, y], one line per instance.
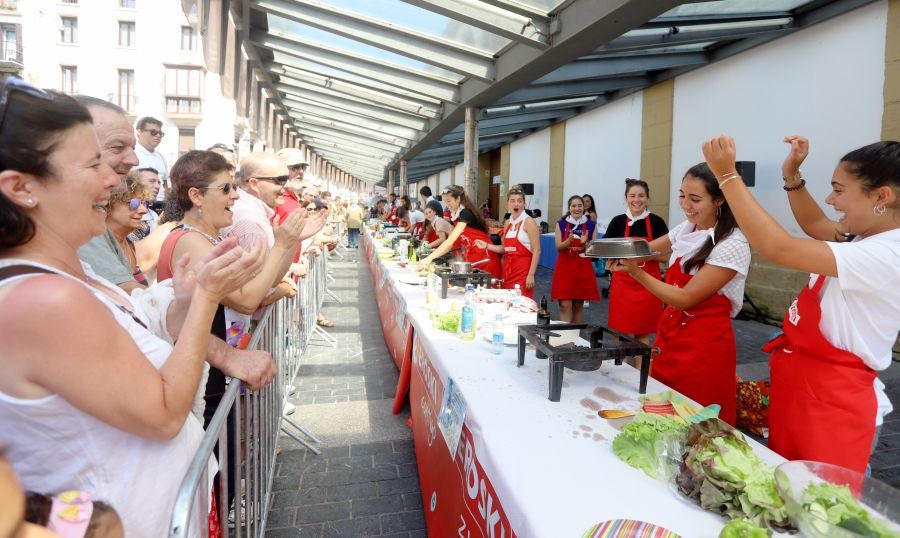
[224, 187]
[135, 203]
[278, 180]
[154, 132]
[14, 84]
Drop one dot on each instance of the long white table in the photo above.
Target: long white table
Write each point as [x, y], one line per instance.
[527, 466]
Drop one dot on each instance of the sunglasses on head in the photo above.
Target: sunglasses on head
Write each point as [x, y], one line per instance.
[154, 132]
[297, 167]
[135, 203]
[225, 187]
[14, 84]
[278, 180]
[517, 191]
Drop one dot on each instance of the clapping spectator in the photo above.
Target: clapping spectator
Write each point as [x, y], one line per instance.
[104, 387]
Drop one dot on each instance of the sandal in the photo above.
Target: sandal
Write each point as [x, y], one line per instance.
[325, 323]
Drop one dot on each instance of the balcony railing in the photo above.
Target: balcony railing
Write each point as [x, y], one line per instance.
[11, 53]
[9, 5]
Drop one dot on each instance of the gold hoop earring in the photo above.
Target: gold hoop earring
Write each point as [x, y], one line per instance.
[879, 210]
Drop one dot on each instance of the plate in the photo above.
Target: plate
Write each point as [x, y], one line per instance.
[510, 335]
[627, 528]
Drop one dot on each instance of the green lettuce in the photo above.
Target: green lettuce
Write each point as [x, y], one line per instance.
[723, 473]
[652, 443]
[742, 528]
[837, 505]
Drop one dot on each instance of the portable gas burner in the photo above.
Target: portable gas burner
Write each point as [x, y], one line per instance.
[476, 277]
[605, 344]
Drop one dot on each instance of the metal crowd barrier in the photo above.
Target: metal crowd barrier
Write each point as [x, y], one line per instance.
[284, 330]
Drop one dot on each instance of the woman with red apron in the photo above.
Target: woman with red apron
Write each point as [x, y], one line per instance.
[521, 247]
[704, 289]
[826, 401]
[436, 228]
[468, 227]
[632, 309]
[703, 332]
[574, 281]
[816, 386]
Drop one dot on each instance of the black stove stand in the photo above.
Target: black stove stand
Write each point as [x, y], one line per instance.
[477, 278]
[605, 344]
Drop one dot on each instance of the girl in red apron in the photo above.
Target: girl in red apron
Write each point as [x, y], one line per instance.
[704, 289]
[825, 400]
[468, 227]
[632, 309]
[521, 246]
[574, 281]
[436, 228]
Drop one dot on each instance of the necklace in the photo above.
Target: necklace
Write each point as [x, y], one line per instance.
[214, 240]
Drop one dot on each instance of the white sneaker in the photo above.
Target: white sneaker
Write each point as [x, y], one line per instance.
[288, 409]
[290, 390]
[587, 304]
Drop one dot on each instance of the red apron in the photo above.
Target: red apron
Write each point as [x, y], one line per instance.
[516, 261]
[822, 400]
[431, 236]
[573, 276]
[632, 308]
[474, 254]
[697, 354]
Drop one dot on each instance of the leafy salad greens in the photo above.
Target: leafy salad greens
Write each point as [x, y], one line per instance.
[837, 505]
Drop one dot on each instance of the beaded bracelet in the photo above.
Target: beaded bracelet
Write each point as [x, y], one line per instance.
[795, 187]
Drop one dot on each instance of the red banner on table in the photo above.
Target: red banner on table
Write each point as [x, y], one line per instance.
[457, 495]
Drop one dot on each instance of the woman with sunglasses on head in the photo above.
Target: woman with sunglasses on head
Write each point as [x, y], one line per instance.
[574, 281]
[468, 227]
[521, 246]
[632, 308]
[709, 259]
[103, 403]
[126, 209]
[826, 398]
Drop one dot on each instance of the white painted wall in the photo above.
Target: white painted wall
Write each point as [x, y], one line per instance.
[443, 180]
[825, 83]
[459, 177]
[529, 162]
[603, 147]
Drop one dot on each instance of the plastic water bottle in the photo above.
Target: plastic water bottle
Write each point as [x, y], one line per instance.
[467, 316]
[497, 336]
[517, 297]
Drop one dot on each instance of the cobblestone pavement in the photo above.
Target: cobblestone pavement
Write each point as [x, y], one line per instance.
[365, 481]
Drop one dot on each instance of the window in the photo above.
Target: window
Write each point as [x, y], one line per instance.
[189, 38]
[126, 89]
[126, 34]
[183, 90]
[69, 79]
[69, 31]
[127, 4]
[68, 1]
[9, 48]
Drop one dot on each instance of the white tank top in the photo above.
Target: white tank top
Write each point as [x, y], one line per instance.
[517, 229]
[55, 447]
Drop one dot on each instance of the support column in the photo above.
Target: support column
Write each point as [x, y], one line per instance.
[470, 153]
[656, 144]
[403, 178]
[390, 182]
[556, 197]
[890, 119]
[504, 173]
